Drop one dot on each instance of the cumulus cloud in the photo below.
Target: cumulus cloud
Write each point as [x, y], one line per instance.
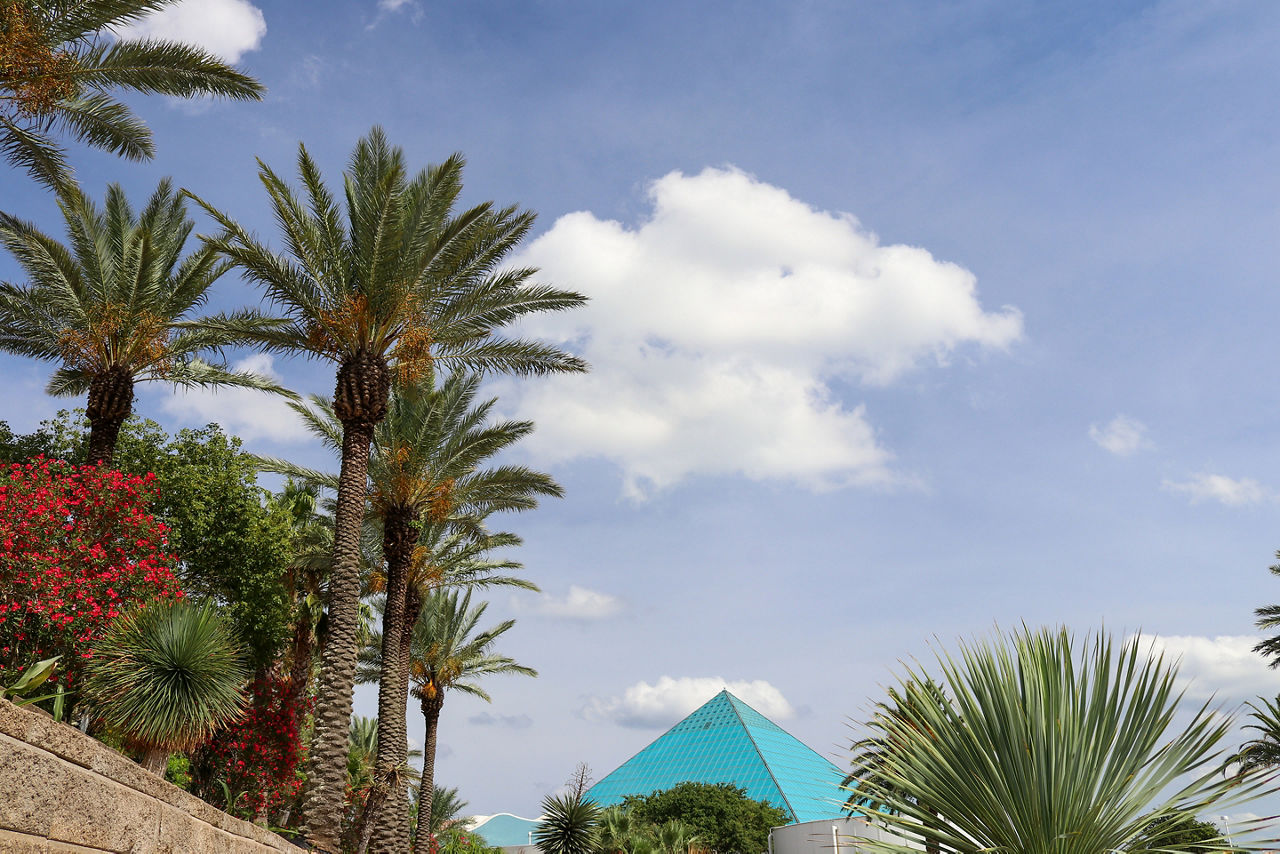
[646, 706]
[1220, 488]
[579, 603]
[507, 721]
[244, 412]
[1225, 666]
[718, 326]
[227, 28]
[1122, 436]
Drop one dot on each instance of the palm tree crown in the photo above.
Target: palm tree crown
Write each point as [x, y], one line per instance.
[57, 65]
[112, 307]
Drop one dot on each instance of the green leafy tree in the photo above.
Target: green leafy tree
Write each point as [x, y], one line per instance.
[394, 283]
[427, 468]
[1182, 832]
[1044, 746]
[570, 825]
[167, 676]
[58, 64]
[112, 309]
[720, 814]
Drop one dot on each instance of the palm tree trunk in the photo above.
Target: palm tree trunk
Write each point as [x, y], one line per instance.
[327, 772]
[431, 711]
[110, 402]
[390, 815]
[156, 760]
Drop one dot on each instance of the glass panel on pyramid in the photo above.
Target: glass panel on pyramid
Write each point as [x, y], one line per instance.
[727, 741]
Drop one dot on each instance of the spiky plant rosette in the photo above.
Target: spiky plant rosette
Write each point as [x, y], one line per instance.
[168, 675]
[1034, 743]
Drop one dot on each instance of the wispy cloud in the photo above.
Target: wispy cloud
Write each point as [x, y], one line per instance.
[664, 703]
[579, 603]
[1220, 488]
[244, 412]
[1122, 436]
[505, 721]
[719, 327]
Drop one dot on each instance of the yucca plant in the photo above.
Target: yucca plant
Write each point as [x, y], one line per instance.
[167, 677]
[569, 825]
[1037, 744]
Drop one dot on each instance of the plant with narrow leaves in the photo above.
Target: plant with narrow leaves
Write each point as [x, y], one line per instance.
[569, 825]
[60, 58]
[114, 307]
[393, 285]
[167, 677]
[1044, 746]
[1263, 750]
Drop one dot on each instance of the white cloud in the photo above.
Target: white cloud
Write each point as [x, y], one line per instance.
[653, 706]
[578, 604]
[718, 325]
[1122, 436]
[1225, 666]
[226, 28]
[243, 412]
[394, 5]
[1217, 487]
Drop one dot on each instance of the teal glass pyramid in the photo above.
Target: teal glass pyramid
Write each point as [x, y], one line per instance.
[727, 741]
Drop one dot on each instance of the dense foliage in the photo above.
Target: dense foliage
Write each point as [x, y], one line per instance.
[721, 815]
[232, 545]
[77, 547]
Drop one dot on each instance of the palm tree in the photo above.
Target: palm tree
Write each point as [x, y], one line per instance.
[446, 653]
[167, 676]
[112, 307]
[1043, 747]
[404, 285]
[1269, 620]
[1264, 750]
[569, 825]
[425, 470]
[57, 65]
[446, 807]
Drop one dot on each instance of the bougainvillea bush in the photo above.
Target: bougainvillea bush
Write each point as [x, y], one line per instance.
[77, 546]
[258, 759]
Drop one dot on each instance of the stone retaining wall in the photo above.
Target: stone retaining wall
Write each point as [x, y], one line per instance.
[62, 791]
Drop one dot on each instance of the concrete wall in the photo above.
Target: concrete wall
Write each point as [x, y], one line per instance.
[62, 791]
[829, 837]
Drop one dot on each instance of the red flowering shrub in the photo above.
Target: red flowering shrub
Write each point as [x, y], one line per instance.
[77, 546]
[258, 758]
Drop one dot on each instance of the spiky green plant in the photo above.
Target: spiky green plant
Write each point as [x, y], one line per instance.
[58, 61]
[1040, 745]
[167, 677]
[393, 286]
[569, 825]
[111, 309]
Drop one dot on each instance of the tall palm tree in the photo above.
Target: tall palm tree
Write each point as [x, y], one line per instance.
[425, 469]
[112, 309]
[57, 65]
[167, 677]
[1269, 620]
[397, 283]
[446, 653]
[1041, 746]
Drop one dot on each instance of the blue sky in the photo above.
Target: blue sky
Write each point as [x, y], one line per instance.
[909, 320]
